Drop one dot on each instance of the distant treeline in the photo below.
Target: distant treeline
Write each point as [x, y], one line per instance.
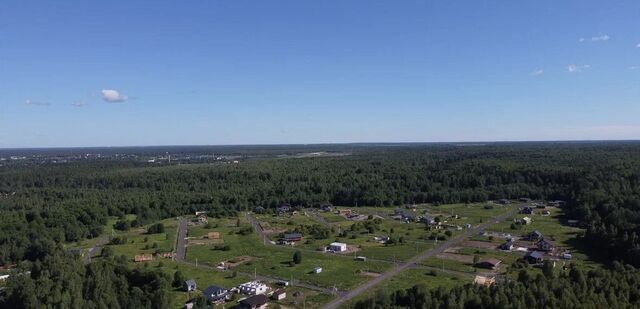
[55, 203]
[600, 182]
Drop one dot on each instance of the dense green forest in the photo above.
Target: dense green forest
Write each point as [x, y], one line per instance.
[572, 288]
[55, 203]
[62, 281]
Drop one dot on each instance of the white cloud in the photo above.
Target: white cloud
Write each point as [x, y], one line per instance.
[537, 72]
[36, 103]
[113, 96]
[634, 67]
[599, 38]
[575, 68]
[79, 104]
[638, 46]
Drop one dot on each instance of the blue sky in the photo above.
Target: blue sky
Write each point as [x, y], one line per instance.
[117, 73]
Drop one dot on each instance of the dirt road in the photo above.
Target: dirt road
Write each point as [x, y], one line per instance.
[369, 285]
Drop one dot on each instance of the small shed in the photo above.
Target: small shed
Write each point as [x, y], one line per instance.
[279, 294]
[482, 280]
[190, 285]
[337, 247]
[317, 270]
[143, 258]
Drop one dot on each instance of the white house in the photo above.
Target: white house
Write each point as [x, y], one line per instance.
[338, 247]
[253, 288]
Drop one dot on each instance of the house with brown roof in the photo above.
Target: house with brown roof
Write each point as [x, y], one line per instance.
[254, 302]
[489, 263]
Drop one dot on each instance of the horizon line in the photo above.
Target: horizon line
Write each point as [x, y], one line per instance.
[329, 143]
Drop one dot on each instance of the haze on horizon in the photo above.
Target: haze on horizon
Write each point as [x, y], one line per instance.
[122, 73]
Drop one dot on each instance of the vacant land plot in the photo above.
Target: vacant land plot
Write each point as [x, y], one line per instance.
[340, 271]
[139, 242]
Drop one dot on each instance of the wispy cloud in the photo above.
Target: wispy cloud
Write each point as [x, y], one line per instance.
[537, 72]
[634, 67]
[638, 46]
[113, 96]
[79, 104]
[599, 38]
[36, 103]
[575, 68]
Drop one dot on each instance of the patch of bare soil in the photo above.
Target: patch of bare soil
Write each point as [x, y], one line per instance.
[456, 257]
[479, 244]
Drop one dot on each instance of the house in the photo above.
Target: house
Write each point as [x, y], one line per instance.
[215, 294]
[504, 201]
[567, 256]
[201, 213]
[189, 285]
[523, 221]
[545, 245]
[254, 302]
[486, 281]
[213, 235]
[428, 220]
[540, 206]
[143, 258]
[408, 216]
[259, 209]
[534, 236]
[317, 270]
[253, 288]
[202, 218]
[326, 207]
[345, 212]
[283, 208]
[361, 258]
[507, 245]
[526, 210]
[292, 237]
[337, 247]
[489, 263]
[279, 294]
[534, 257]
[524, 199]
